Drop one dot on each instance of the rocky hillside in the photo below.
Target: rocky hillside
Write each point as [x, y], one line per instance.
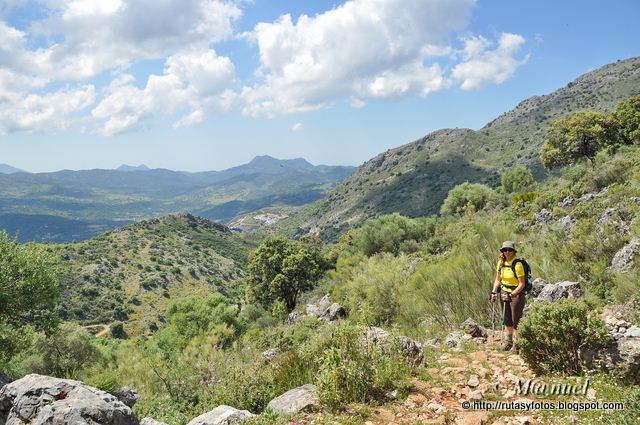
[415, 178]
[131, 274]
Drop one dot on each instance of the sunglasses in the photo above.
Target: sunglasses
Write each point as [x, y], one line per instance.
[507, 250]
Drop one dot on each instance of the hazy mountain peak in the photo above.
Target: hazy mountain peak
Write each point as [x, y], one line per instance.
[8, 169]
[125, 167]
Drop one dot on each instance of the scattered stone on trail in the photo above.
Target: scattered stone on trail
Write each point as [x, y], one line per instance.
[473, 381]
[303, 399]
[476, 395]
[543, 216]
[566, 202]
[411, 349]
[623, 260]
[151, 421]
[127, 395]
[455, 340]
[471, 327]
[553, 292]
[39, 400]
[566, 223]
[222, 415]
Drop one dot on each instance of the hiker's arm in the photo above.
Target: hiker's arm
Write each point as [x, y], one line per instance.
[520, 287]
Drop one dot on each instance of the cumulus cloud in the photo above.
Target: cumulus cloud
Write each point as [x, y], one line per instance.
[482, 64]
[80, 39]
[46, 112]
[192, 84]
[364, 49]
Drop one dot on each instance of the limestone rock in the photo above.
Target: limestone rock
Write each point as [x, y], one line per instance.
[269, 354]
[566, 223]
[222, 415]
[127, 395]
[470, 327]
[334, 312]
[411, 349]
[612, 217]
[556, 291]
[298, 400]
[537, 286]
[39, 400]
[623, 260]
[378, 335]
[455, 340]
[566, 202]
[543, 216]
[524, 224]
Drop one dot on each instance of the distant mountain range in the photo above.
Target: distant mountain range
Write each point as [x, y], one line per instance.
[75, 205]
[8, 169]
[414, 179]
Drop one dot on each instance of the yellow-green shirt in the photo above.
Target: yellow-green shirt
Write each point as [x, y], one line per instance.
[508, 280]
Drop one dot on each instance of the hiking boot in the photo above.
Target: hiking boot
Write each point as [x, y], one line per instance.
[506, 345]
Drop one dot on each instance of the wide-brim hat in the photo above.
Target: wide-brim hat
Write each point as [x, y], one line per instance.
[508, 244]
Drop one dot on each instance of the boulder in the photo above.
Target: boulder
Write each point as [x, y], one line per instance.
[39, 400]
[620, 357]
[313, 310]
[566, 223]
[470, 327]
[537, 286]
[543, 216]
[612, 217]
[324, 303]
[566, 202]
[127, 396]
[623, 260]
[303, 399]
[411, 349]
[222, 415]
[555, 291]
[334, 312]
[455, 340]
[151, 421]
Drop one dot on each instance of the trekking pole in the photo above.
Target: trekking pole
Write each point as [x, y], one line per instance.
[493, 317]
[504, 309]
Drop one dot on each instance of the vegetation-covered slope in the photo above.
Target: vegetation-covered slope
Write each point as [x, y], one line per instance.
[414, 179]
[132, 273]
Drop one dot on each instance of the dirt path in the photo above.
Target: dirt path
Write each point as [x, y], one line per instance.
[483, 375]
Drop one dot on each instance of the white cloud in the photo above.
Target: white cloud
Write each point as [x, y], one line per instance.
[484, 65]
[44, 113]
[364, 49]
[296, 127]
[192, 84]
[79, 39]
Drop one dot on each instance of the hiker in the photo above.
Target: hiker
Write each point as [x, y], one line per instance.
[511, 287]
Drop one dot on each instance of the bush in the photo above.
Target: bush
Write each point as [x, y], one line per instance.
[467, 195]
[552, 334]
[353, 369]
[516, 179]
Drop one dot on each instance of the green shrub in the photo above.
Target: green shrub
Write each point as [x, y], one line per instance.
[465, 196]
[516, 179]
[355, 369]
[525, 197]
[551, 335]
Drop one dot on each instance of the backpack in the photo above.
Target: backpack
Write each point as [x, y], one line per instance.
[527, 273]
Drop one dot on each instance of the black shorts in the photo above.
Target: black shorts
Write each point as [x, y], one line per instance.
[513, 310]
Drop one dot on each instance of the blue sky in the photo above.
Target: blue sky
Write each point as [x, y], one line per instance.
[209, 84]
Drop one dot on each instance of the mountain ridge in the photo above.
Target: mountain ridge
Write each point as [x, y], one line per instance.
[414, 178]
